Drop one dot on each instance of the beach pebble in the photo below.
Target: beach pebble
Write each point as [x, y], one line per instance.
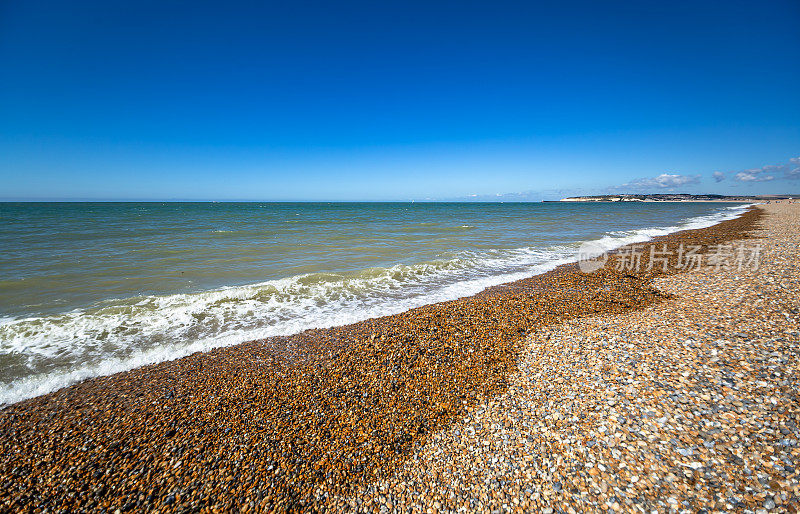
[566, 392]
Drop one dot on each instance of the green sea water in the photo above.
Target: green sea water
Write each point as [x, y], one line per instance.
[88, 289]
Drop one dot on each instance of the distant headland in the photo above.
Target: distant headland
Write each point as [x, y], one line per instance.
[681, 197]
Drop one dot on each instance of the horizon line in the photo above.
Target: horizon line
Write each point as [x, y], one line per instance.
[479, 199]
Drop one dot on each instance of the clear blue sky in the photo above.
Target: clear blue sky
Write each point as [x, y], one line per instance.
[405, 100]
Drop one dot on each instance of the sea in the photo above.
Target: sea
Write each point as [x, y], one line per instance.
[91, 289]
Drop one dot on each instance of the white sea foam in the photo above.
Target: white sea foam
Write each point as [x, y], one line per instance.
[621, 238]
[120, 335]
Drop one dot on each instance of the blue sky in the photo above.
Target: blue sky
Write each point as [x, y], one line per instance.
[396, 101]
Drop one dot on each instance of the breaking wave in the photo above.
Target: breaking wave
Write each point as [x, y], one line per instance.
[49, 352]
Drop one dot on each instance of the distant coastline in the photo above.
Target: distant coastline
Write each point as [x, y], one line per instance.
[682, 197]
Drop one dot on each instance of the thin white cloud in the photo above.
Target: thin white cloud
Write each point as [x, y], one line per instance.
[789, 170]
[792, 171]
[718, 176]
[663, 181]
[756, 175]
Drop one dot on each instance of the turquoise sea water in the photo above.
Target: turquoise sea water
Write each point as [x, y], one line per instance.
[89, 289]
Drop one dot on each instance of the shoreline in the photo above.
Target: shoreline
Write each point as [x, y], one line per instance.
[688, 405]
[324, 410]
[38, 385]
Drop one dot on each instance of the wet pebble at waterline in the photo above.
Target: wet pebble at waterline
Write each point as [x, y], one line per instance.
[299, 422]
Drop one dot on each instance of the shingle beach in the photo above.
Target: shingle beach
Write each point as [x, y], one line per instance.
[623, 389]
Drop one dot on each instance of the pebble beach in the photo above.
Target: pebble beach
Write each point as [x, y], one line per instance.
[619, 390]
[689, 405]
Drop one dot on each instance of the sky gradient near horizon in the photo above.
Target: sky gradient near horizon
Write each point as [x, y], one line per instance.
[397, 100]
